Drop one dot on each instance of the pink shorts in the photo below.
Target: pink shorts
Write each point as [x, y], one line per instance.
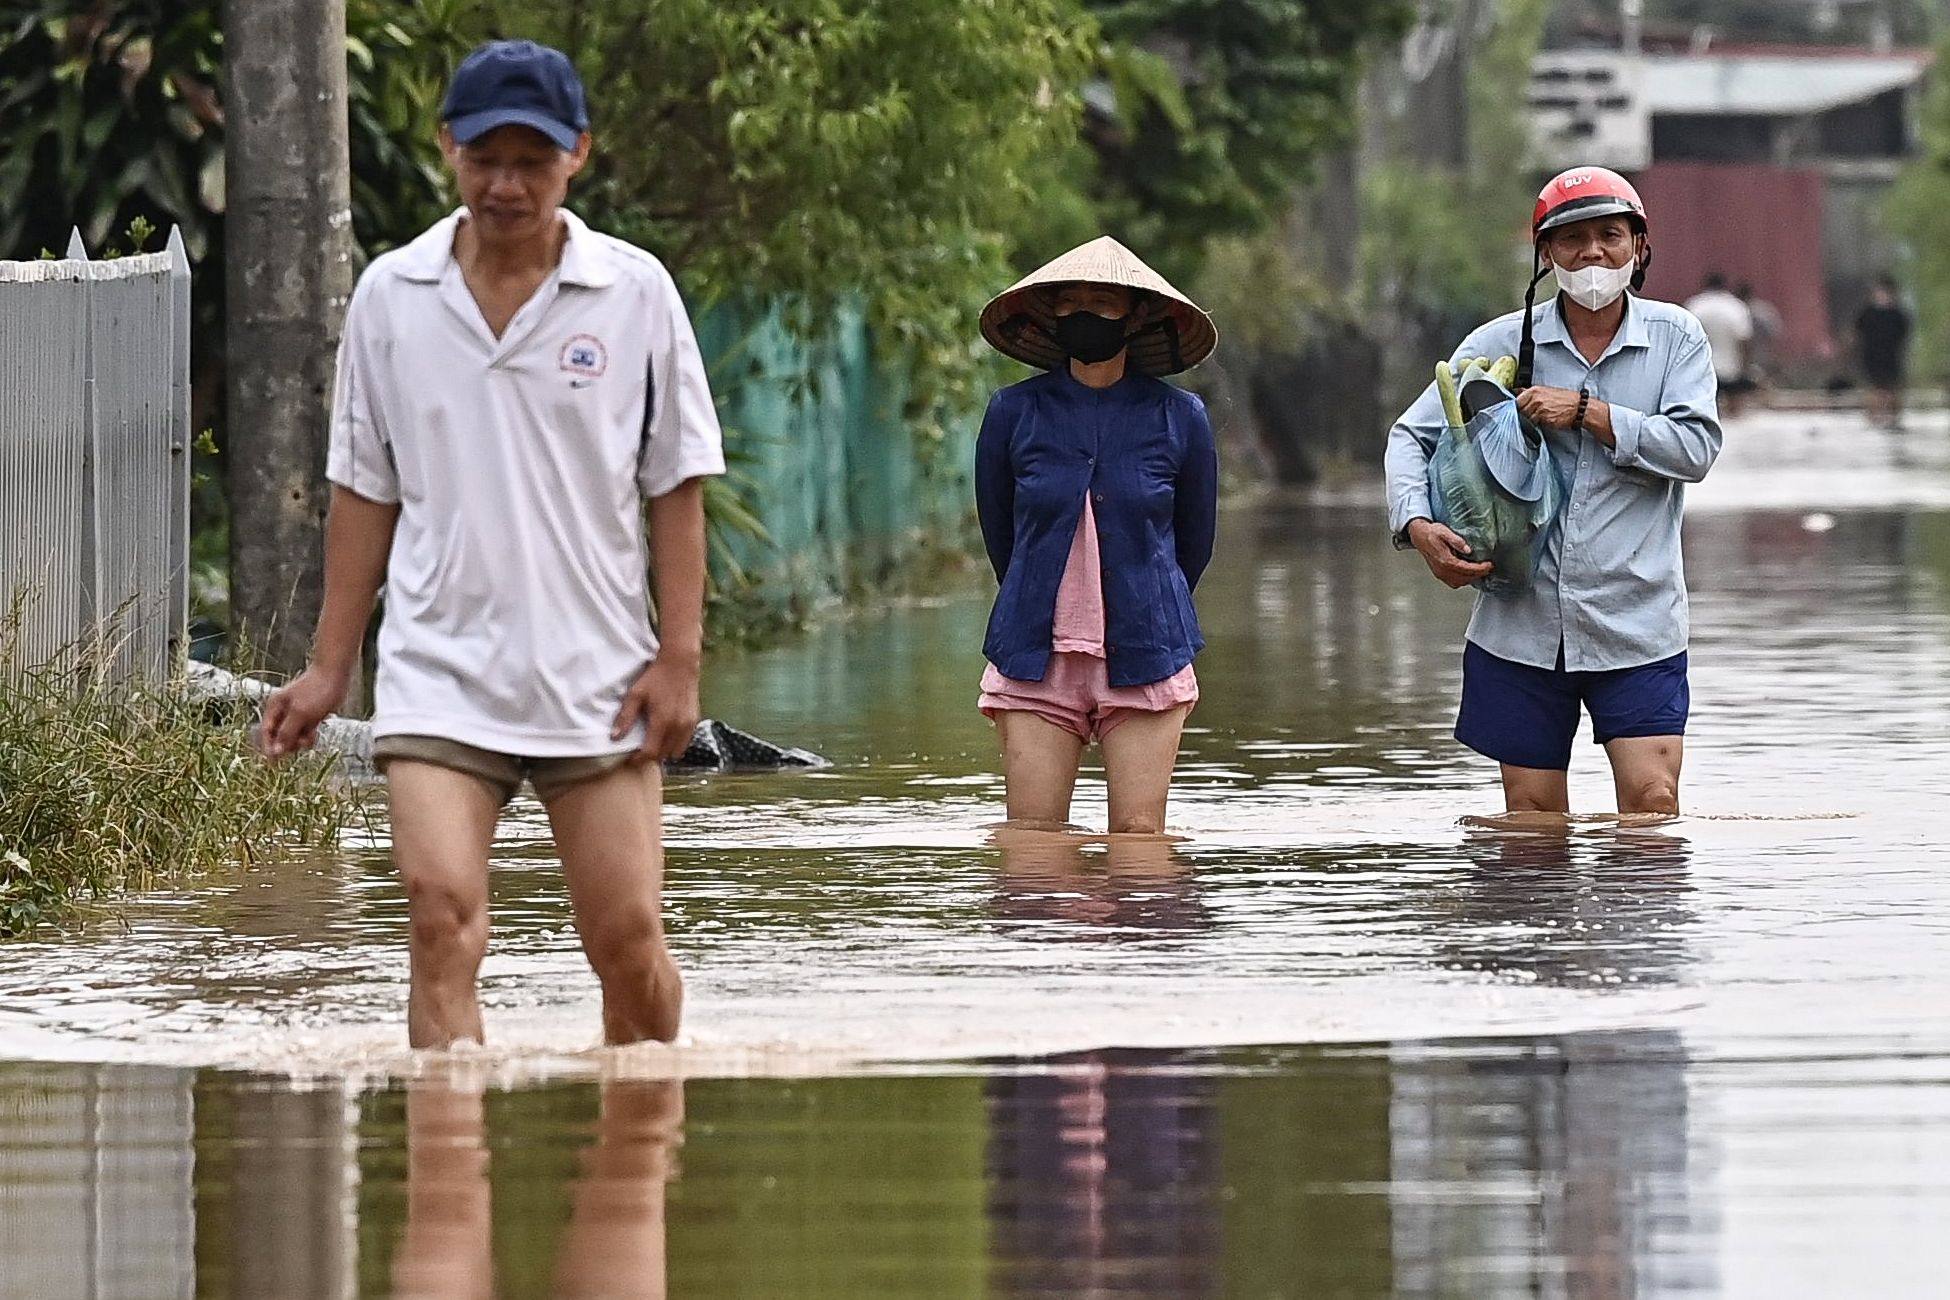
[1076, 695]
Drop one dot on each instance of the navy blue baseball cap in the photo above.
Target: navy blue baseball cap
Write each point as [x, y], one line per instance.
[516, 83]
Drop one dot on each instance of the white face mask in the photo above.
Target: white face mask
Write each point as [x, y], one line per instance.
[1595, 288]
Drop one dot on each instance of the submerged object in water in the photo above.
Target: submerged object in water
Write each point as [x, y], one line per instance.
[717, 747]
[714, 747]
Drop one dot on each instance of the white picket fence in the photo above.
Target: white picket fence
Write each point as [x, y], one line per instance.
[95, 455]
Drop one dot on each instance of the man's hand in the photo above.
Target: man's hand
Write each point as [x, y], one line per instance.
[292, 714]
[1447, 554]
[665, 699]
[1548, 408]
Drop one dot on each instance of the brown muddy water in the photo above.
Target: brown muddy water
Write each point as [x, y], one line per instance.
[1333, 1042]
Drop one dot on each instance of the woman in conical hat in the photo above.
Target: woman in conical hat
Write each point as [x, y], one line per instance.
[1097, 486]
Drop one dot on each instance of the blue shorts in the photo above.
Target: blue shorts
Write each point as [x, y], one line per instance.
[1528, 717]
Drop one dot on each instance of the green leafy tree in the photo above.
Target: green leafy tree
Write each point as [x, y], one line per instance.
[1213, 111]
[112, 115]
[1919, 213]
[111, 111]
[1446, 248]
[826, 154]
[399, 57]
[826, 151]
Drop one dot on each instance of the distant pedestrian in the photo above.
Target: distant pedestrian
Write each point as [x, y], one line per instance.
[1729, 327]
[1097, 487]
[1764, 352]
[1882, 330]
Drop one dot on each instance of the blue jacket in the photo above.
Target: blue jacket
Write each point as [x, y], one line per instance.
[1145, 450]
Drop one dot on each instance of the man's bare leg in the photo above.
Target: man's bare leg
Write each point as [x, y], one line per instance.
[609, 831]
[443, 825]
[1039, 767]
[1535, 790]
[1139, 756]
[1645, 771]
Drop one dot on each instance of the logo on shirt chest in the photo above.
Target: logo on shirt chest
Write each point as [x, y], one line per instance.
[584, 356]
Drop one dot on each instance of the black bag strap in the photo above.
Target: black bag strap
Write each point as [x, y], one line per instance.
[1527, 349]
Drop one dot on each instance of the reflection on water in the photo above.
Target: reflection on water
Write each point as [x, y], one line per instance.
[1590, 1164]
[1587, 1188]
[615, 1239]
[1573, 905]
[1104, 1176]
[1097, 885]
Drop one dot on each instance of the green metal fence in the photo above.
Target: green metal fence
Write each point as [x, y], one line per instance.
[848, 492]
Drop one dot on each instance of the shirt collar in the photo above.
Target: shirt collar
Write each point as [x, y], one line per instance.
[427, 258]
[1549, 326]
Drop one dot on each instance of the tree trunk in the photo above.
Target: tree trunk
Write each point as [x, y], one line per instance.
[288, 275]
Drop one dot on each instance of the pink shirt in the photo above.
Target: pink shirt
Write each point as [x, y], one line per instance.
[1079, 626]
[1078, 629]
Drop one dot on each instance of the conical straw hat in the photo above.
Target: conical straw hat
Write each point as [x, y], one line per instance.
[1017, 322]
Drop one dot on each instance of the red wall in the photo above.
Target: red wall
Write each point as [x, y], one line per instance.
[1749, 222]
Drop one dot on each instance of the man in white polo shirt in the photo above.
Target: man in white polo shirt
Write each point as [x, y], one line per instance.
[512, 386]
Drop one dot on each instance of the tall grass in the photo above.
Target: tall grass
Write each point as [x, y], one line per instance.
[107, 788]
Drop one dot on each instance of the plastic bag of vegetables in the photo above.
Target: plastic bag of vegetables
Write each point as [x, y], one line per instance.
[1491, 480]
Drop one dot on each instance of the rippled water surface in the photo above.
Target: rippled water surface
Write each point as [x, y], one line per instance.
[1708, 1055]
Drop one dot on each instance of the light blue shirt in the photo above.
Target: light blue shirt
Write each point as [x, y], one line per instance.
[1611, 589]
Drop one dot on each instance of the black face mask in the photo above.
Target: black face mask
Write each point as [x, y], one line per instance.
[1090, 338]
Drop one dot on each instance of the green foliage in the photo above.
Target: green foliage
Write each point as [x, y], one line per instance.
[1918, 210]
[1451, 249]
[109, 112]
[824, 151]
[1218, 109]
[398, 57]
[107, 789]
[112, 112]
[1430, 255]
[1264, 293]
[901, 157]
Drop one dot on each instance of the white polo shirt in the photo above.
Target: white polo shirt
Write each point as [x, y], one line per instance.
[517, 600]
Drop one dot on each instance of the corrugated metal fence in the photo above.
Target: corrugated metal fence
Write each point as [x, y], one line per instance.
[95, 455]
[848, 493]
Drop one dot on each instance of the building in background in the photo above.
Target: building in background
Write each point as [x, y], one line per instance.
[1767, 163]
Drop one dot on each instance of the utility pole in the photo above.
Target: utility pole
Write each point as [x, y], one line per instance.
[288, 276]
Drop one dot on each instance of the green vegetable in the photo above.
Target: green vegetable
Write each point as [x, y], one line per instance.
[1504, 371]
[1445, 384]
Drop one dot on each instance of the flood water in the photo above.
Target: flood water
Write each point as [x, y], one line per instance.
[1336, 1041]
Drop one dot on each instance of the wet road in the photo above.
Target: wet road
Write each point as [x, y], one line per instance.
[1710, 1055]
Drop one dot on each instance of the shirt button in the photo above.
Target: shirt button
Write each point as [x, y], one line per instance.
[1099, 496]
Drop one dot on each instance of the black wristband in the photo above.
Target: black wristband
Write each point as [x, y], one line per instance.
[1584, 404]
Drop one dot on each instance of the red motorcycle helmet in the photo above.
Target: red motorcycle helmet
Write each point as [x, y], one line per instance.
[1583, 193]
[1578, 195]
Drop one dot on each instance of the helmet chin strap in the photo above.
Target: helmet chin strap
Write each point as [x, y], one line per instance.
[1527, 350]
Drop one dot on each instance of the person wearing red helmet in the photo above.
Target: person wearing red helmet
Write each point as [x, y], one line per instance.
[1623, 392]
